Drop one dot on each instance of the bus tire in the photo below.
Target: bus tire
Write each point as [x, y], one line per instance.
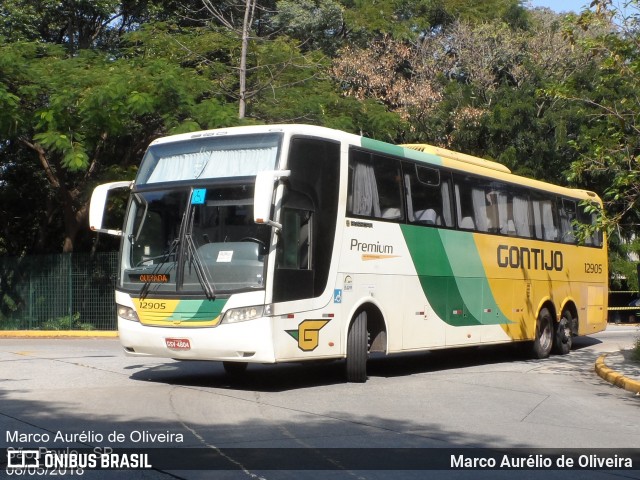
[235, 369]
[357, 350]
[562, 338]
[544, 335]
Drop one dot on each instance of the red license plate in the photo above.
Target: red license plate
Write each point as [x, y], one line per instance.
[178, 343]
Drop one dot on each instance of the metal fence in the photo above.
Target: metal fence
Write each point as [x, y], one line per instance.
[58, 292]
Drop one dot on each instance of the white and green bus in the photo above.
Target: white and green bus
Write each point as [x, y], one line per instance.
[288, 243]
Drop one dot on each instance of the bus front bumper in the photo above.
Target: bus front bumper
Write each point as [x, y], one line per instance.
[250, 341]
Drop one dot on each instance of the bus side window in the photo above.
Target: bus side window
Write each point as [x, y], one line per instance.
[295, 239]
[544, 217]
[567, 214]
[471, 205]
[375, 186]
[363, 189]
[521, 214]
[427, 196]
[595, 239]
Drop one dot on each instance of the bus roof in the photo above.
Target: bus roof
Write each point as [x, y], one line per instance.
[424, 153]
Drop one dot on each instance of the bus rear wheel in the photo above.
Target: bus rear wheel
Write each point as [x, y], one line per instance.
[357, 350]
[562, 339]
[543, 342]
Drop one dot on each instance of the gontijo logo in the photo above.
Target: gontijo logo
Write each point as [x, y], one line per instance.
[308, 334]
[529, 258]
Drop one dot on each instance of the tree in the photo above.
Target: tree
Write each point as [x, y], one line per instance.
[316, 24]
[79, 24]
[89, 117]
[609, 147]
[479, 88]
[242, 30]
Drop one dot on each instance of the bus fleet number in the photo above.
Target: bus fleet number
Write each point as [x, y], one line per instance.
[153, 306]
[592, 268]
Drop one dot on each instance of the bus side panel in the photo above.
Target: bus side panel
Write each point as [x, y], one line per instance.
[596, 310]
[307, 334]
[541, 272]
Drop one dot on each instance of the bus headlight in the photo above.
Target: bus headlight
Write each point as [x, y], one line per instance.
[235, 315]
[128, 313]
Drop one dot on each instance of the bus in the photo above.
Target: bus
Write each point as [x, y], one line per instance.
[292, 243]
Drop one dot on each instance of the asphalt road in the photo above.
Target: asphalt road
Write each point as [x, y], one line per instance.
[84, 393]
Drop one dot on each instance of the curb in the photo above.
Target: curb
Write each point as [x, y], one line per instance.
[614, 377]
[57, 334]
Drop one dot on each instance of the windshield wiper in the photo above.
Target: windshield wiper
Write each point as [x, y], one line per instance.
[193, 256]
[201, 271]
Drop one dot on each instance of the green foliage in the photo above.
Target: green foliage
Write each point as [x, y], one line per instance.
[315, 23]
[608, 145]
[623, 270]
[401, 19]
[92, 109]
[67, 322]
[81, 24]
[86, 85]
[480, 11]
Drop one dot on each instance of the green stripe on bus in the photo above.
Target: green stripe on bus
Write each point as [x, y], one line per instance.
[452, 276]
[399, 151]
[199, 310]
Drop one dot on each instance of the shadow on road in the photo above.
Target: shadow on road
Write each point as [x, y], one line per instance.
[284, 377]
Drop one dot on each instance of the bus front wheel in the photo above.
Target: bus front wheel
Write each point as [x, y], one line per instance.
[357, 349]
[544, 335]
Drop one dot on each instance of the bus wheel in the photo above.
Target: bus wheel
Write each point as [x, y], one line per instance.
[357, 349]
[562, 338]
[235, 369]
[544, 335]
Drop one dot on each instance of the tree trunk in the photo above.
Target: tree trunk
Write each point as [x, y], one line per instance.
[246, 28]
[74, 217]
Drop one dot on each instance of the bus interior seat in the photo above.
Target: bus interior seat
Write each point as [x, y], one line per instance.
[391, 213]
[467, 223]
[428, 217]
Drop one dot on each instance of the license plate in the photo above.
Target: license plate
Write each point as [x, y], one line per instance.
[178, 343]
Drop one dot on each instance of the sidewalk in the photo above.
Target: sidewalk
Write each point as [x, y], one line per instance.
[620, 369]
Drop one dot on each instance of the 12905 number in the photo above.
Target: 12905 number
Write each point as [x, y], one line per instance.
[153, 306]
[592, 268]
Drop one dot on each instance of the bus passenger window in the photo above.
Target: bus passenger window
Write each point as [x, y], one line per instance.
[471, 206]
[375, 186]
[427, 196]
[546, 226]
[521, 216]
[586, 218]
[293, 251]
[567, 213]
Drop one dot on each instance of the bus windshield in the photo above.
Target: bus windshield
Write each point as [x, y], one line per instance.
[194, 240]
[209, 158]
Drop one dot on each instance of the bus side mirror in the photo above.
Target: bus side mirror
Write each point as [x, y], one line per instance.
[97, 206]
[263, 196]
